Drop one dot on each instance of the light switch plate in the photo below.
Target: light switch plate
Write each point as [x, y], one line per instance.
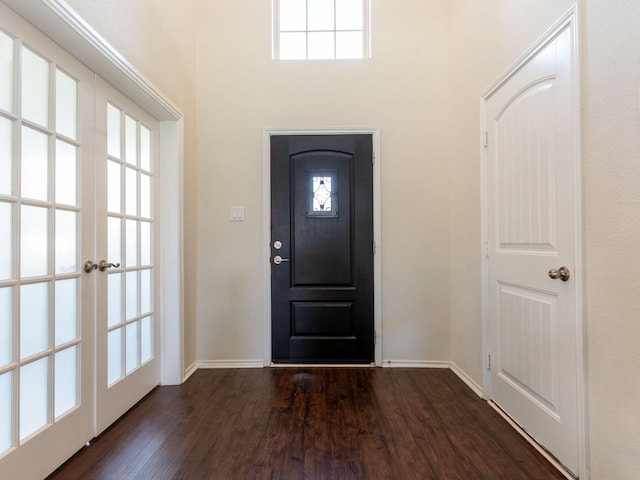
[237, 214]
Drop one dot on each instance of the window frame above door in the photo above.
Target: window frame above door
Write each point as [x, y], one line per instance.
[365, 31]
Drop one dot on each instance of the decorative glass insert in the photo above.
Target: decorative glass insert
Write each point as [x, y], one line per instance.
[323, 194]
[321, 29]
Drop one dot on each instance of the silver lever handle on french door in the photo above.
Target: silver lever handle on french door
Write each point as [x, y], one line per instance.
[562, 273]
[103, 265]
[89, 266]
[278, 259]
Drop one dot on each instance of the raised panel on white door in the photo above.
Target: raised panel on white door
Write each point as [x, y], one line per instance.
[528, 354]
[525, 140]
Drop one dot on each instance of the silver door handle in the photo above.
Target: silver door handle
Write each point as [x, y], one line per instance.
[89, 266]
[561, 273]
[278, 259]
[103, 265]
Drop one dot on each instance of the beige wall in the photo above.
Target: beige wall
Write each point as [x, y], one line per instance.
[403, 89]
[611, 175]
[158, 37]
[432, 60]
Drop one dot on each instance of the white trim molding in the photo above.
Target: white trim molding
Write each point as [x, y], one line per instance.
[170, 204]
[461, 374]
[215, 364]
[470, 382]
[377, 229]
[415, 364]
[67, 28]
[422, 364]
[190, 370]
[535, 444]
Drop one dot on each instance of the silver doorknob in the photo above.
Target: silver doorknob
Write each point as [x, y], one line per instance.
[278, 259]
[561, 273]
[103, 265]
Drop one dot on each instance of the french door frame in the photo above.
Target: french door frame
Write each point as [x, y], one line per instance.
[71, 32]
[568, 20]
[266, 234]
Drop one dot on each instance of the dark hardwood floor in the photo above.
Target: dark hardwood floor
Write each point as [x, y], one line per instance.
[311, 423]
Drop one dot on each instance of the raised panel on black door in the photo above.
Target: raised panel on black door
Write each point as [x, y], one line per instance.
[322, 229]
[321, 238]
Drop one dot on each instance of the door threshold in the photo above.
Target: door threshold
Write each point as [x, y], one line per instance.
[322, 365]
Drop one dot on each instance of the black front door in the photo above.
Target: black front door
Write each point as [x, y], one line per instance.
[322, 249]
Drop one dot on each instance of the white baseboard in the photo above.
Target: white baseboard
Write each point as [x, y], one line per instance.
[193, 368]
[414, 364]
[436, 364]
[553, 460]
[208, 364]
[212, 364]
[466, 379]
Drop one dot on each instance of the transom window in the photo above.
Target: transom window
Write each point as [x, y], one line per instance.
[321, 29]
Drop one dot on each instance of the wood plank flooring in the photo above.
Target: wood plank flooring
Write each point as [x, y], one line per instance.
[311, 423]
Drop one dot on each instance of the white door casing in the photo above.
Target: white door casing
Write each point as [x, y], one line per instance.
[532, 198]
[377, 225]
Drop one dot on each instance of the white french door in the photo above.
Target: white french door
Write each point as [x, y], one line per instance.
[127, 344]
[78, 337]
[46, 205]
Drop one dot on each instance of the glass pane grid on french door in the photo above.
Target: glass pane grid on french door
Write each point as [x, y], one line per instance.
[40, 217]
[130, 316]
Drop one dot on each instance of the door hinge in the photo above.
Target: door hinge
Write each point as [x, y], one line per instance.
[485, 139]
[374, 247]
[488, 360]
[375, 337]
[373, 158]
[486, 249]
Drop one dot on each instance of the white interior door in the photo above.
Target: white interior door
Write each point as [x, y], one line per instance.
[127, 333]
[46, 233]
[532, 229]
